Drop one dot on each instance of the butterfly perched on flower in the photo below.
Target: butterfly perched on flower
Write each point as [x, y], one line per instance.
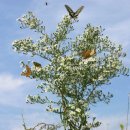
[73, 14]
[28, 71]
[88, 53]
[37, 65]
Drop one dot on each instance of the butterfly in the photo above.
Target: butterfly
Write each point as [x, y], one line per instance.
[73, 14]
[36, 64]
[46, 3]
[88, 53]
[28, 71]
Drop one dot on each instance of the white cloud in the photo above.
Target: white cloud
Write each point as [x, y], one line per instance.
[12, 90]
[8, 82]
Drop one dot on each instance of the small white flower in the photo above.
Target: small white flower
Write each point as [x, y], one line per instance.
[72, 113]
[46, 89]
[88, 60]
[100, 77]
[78, 110]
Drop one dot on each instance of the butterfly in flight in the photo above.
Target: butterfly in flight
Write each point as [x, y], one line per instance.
[28, 72]
[46, 3]
[88, 53]
[73, 14]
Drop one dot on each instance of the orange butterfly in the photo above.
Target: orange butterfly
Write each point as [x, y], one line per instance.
[88, 53]
[28, 72]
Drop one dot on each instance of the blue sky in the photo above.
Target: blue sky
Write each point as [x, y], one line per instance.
[112, 15]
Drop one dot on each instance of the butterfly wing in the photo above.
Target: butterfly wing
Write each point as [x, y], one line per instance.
[88, 53]
[28, 71]
[85, 54]
[78, 11]
[92, 52]
[46, 3]
[70, 11]
[36, 64]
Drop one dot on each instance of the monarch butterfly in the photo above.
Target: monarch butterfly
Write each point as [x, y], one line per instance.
[28, 72]
[73, 14]
[88, 53]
